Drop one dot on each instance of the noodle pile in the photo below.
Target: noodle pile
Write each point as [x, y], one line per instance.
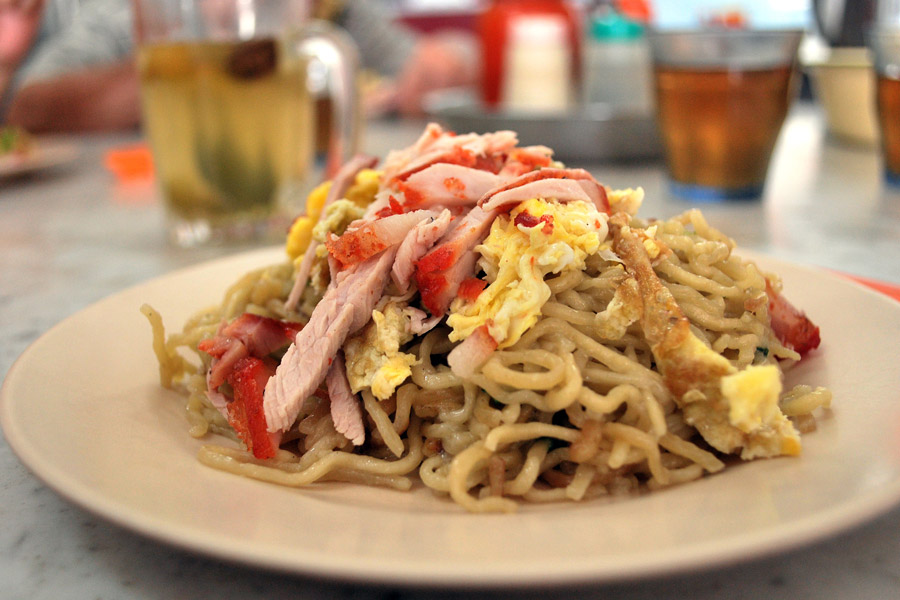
[576, 409]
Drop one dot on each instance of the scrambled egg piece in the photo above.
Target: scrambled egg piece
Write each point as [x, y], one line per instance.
[628, 201]
[537, 238]
[360, 194]
[752, 396]
[374, 358]
[746, 416]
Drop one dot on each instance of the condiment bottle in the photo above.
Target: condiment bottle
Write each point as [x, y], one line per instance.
[496, 30]
[617, 66]
[538, 76]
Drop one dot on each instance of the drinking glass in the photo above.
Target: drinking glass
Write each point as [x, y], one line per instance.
[884, 41]
[228, 91]
[721, 97]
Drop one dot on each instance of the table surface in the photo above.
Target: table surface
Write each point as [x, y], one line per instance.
[73, 235]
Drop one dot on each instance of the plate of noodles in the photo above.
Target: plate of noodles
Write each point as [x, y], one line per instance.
[567, 393]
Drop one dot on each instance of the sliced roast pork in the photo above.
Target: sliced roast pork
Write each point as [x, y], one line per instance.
[344, 309]
[562, 184]
[248, 335]
[345, 410]
[484, 151]
[445, 184]
[370, 238]
[240, 356]
[342, 182]
[414, 246]
[524, 160]
[471, 354]
[345, 177]
[564, 190]
[439, 273]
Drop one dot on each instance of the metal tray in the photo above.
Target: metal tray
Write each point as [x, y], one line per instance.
[591, 132]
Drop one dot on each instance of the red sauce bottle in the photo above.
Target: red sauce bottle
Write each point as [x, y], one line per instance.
[494, 26]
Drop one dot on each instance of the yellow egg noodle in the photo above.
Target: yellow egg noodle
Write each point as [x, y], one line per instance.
[631, 355]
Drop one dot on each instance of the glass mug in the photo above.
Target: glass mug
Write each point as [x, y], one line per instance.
[228, 92]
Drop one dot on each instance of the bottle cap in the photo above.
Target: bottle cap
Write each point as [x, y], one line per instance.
[614, 26]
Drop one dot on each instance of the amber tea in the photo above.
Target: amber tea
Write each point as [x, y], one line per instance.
[719, 126]
[232, 129]
[888, 102]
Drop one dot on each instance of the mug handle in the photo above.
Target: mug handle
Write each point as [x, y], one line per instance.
[334, 62]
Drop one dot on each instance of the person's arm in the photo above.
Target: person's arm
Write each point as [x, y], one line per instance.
[97, 98]
[81, 77]
[19, 23]
[6, 76]
[412, 64]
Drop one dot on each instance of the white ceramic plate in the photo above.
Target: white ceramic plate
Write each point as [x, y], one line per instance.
[45, 155]
[83, 410]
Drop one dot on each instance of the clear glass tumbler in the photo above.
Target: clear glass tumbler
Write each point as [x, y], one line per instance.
[721, 99]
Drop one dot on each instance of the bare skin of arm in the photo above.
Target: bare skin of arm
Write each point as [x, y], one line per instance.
[103, 98]
[19, 22]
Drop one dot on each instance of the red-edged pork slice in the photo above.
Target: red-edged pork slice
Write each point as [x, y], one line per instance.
[597, 193]
[370, 238]
[345, 410]
[508, 195]
[485, 151]
[339, 186]
[791, 326]
[438, 288]
[245, 412]
[524, 160]
[416, 243]
[564, 190]
[445, 184]
[398, 160]
[261, 335]
[226, 352]
[472, 353]
[419, 321]
[385, 202]
[248, 335]
[345, 308]
[439, 273]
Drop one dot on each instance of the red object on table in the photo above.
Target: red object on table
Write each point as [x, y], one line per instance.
[130, 162]
[493, 30]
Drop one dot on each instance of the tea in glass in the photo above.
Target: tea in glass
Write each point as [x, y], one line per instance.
[886, 48]
[888, 103]
[229, 91]
[231, 125]
[720, 126]
[722, 98]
